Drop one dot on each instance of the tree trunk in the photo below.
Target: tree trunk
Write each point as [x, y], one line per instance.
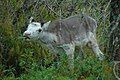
[114, 42]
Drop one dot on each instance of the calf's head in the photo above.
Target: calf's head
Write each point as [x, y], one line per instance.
[34, 29]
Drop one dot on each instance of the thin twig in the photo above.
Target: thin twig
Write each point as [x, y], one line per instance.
[107, 5]
[53, 10]
[35, 7]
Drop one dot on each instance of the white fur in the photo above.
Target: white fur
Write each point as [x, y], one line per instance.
[33, 30]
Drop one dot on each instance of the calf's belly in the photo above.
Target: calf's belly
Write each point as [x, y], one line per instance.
[81, 42]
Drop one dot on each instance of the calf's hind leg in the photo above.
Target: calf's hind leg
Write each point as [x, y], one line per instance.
[93, 44]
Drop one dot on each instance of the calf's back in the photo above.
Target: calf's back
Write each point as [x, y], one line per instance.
[70, 29]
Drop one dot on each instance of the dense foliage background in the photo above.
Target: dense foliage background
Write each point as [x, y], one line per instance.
[27, 60]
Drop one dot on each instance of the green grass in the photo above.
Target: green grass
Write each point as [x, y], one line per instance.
[88, 69]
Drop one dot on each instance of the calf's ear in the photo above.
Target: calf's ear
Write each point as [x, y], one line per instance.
[45, 25]
[42, 22]
[31, 20]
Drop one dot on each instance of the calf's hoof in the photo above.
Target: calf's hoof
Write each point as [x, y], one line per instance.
[101, 57]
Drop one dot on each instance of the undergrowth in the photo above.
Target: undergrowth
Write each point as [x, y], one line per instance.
[27, 60]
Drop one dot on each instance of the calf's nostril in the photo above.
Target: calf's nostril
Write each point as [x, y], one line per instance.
[26, 34]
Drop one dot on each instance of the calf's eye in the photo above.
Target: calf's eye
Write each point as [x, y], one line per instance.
[39, 30]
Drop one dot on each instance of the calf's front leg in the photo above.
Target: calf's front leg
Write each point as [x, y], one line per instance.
[69, 49]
